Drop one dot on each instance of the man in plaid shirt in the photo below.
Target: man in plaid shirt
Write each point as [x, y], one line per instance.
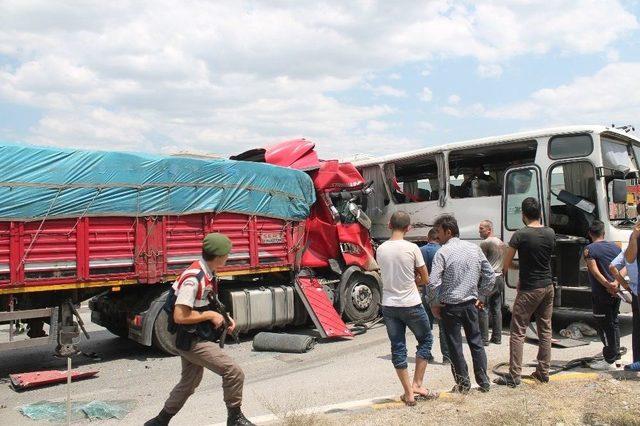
[459, 274]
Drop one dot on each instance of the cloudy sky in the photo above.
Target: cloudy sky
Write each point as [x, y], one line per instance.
[356, 77]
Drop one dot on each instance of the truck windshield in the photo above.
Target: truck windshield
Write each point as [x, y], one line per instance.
[623, 157]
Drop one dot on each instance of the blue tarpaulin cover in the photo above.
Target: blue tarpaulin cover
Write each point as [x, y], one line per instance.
[38, 183]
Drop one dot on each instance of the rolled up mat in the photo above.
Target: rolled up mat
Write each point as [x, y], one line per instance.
[278, 342]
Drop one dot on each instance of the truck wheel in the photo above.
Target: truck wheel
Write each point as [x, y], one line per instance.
[362, 298]
[162, 339]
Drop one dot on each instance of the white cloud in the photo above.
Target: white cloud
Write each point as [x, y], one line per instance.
[610, 95]
[395, 76]
[94, 128]
[425, 126]
[464, 111]
[225, 76]
[613, 55]
[489, 70]
[386, 91]
[453, 99]
[377, 126]
[426, 95]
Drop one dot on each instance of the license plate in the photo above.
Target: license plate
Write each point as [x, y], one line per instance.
[272, 238]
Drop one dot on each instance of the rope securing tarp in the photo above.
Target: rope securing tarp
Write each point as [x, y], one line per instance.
[38, 183]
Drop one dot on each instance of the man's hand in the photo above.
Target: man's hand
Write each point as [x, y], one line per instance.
[232, 326]
[422, 276]
[216, 319]
[612, 287]
[479, 305]
[436, 310]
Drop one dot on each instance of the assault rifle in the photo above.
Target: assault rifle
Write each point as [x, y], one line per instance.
[216, 305]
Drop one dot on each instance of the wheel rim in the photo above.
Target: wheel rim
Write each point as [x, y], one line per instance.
[361, 296]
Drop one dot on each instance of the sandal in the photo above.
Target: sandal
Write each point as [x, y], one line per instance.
[426, 397]
[407, 403]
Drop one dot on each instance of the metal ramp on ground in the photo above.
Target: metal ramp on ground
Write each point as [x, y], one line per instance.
[325, 317]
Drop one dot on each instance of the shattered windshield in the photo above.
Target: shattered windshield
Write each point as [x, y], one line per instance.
[622, 157]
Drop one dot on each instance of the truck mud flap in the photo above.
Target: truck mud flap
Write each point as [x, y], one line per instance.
[326, 319]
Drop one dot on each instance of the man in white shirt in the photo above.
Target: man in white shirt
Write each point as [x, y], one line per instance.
[403, 270]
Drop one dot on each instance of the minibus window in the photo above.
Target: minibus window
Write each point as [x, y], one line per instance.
[636, 155]
[415, 181]
[570, 146]
[379, 198]
[617, 155]
[520, 184]
[620, 161]
[479, 172]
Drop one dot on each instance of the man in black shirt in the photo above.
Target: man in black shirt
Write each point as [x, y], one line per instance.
[606, 305]
[534, 244]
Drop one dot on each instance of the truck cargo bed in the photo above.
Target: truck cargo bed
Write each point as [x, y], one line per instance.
[60, 254]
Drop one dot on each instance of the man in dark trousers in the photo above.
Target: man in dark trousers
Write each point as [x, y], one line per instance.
[429, 251]
[461, 273]
[194, 323]
[606, 305]
[493, 249]
[534, 244]
[620, 265]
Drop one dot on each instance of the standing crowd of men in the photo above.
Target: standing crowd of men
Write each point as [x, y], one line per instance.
[461, 285]
[455, 282]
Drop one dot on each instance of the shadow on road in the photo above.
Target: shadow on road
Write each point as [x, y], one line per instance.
[104, 345]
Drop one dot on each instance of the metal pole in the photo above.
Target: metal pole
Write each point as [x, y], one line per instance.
[68, 390]
[11, 322]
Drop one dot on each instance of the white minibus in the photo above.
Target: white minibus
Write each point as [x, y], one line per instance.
[578, 173]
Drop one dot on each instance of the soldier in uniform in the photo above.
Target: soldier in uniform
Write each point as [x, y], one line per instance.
[196, 326]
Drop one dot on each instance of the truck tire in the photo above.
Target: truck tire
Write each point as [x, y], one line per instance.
[162, 339]
[362, 298]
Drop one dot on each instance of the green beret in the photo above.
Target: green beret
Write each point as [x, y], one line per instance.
[216, 244]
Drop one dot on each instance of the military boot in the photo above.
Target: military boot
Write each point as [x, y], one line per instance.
[161, 419]
[236, 418]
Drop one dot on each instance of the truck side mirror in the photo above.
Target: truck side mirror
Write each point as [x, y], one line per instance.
[619, 191]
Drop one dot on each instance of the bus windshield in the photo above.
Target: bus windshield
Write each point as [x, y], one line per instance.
[623, 158]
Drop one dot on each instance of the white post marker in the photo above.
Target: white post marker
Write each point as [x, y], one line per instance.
[68, 390]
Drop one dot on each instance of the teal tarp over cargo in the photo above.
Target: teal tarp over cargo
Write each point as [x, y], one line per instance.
[44, 182]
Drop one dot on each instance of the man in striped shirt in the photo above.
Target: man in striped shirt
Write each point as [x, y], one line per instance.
[461, 273]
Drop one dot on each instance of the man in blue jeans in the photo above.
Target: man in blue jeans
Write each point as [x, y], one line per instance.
[429, 251]
[403, 270]
[632, 255]
[620, 269]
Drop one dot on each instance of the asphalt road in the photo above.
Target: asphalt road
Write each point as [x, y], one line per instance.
[332, 372]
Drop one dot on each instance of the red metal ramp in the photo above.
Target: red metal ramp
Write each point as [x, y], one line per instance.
[43, 378]
[326, 319]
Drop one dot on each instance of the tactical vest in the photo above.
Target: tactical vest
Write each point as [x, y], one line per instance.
[188, 334]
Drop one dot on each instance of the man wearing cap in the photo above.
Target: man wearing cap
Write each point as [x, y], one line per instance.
[188, 301]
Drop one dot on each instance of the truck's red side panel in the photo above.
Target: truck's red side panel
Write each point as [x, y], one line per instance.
[146, 250]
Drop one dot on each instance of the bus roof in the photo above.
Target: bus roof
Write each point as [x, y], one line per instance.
[494, 140]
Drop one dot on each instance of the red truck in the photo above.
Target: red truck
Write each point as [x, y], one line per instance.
[73, 241]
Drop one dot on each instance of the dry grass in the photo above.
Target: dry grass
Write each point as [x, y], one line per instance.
[599, 402]
[290, 411]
